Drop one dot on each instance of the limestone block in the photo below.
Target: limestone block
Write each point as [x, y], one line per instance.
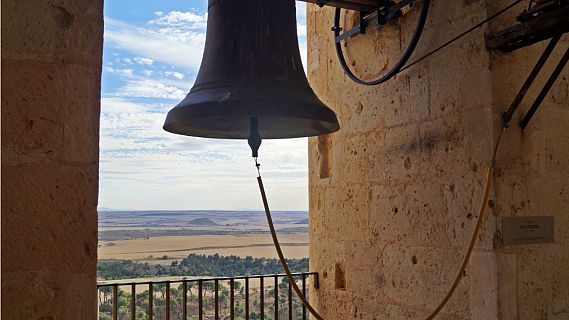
[81, 114]
[362, 267]
[52, 122]
[534, 285]
[32, 124]
[443, 97]
[347, 208]
[356, 153]
[409, 215]
[442, 147]
[361, 112]
[421, 276]
[474, 84]
[461, 198]
[369, 307]
[56, 220]
[507, 285]
[560, 93]
[329, 254]
[478, 137]
[558, 259]
[64, 31]
[48, 294]
[400, 160]
[406, 96]
[483, 286]
[556, 126]
[450, 19]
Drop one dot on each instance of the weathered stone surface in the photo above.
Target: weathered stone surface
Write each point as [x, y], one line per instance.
[483, 286]
[53, 31]
[395, 194]
[51, 72]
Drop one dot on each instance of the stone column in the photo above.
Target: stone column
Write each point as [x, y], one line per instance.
[395, 194]
[51, 73]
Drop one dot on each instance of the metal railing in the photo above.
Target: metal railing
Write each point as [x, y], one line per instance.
[265, 297]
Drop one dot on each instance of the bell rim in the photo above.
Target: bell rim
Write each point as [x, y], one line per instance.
[328, 127]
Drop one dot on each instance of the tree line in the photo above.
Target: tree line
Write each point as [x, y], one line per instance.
[200, 266]
[197, 265]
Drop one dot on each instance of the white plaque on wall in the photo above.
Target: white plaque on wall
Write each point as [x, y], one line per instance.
[528, 230]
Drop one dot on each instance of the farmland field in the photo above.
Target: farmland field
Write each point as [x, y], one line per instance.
[164, 236]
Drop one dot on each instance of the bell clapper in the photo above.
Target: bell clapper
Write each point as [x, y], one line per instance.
[254, 137]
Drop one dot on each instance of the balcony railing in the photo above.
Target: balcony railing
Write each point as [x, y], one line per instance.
[244, 297]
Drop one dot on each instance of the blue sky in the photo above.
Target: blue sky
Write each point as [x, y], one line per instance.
[152, 53]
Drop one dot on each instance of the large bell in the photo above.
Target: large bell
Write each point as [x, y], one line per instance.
[251, 78]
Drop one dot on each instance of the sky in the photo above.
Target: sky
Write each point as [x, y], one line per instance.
[151, 56]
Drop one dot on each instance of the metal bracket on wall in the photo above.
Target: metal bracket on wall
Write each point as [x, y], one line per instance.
[357, 5]
[531, 111]
[388, 11]
[537, 23]
[374, 13]
[381, 16]
[544, 20]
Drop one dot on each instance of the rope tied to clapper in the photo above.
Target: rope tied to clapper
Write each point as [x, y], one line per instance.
[282, 259]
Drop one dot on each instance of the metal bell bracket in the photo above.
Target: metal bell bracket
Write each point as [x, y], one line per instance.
[387, 11]
[371, 13]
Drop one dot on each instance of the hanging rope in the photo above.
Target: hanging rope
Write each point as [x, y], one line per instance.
[291, 280]
[475, 232]
[459, 274]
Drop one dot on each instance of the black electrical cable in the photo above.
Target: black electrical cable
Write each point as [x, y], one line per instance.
[404, 58]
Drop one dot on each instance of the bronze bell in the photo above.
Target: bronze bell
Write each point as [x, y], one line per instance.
[251, 81]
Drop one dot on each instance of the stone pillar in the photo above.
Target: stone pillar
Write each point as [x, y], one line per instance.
[395, 194]
[51, 73]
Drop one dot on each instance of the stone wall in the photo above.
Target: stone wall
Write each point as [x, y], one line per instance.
[395, 194]
[51, 71]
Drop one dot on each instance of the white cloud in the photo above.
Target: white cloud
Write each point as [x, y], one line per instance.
[122, 72]
[178, 18]
[170, 171]
[301, 30]
[113, 105]
[181, 47]
[149, 88]
[174, 74]
[148, 72]
[303, 54]
[144, 61]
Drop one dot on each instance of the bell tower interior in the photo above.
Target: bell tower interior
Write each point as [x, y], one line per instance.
[393, 194]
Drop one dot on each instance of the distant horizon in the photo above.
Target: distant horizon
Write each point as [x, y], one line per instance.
[104, 209]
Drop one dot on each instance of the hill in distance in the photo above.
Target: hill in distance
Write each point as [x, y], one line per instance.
[202, 222]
